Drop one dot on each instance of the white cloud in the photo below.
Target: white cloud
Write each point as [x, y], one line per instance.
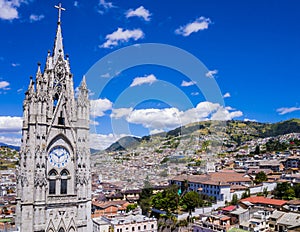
[76, 4]
[4, 85]
[188, 83]
[226, 95]
[34, 18]
[101, 142]
[195, 93]
[156, 131]
[286, 110]
[121, 112]
[155, 118]
[139, 12]
[122, 35]
[99, 106]
[9, 124]
[143, 80]
[105, 75]
[8, 9]
[94, 123]
[211, 73]
[15, 64]
[15, 141]
[199, 24]
[249, 120]
[169, 118]
[106, 5]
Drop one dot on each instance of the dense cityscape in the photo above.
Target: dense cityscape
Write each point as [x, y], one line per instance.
[204, 167]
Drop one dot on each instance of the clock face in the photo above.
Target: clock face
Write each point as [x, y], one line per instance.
[59, 156]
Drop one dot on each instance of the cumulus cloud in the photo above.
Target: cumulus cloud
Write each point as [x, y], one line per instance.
[226, 95]
[211, 73]
[94, 123]
[9, 124]
[4, 85]
[9, 9]
[99, 106]
[169, 118]
[156, 131]
[199, 24]
[143, 80]
[249, 120]
[120, 36]
[286, 110]
[15, 141]
[121, 112]
[139, 12]
[188, 83]
[34, 18]
[101, 142]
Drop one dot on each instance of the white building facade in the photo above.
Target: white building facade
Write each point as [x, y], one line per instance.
[54, 177]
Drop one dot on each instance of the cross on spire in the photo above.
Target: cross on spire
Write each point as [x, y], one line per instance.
[59, 11]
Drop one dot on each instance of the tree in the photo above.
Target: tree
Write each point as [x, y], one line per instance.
[167, 200]
[234, 199]
[246, 194]
[265, 192]
[296, 188]
[260, 177]
[184, 187]
[289, 194]
[130, 207]
[145, 197]
[190, 201]
[282, 191]
[257, 150]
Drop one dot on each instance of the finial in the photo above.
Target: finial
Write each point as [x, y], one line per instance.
[59, 12]
[39, 63]
[30, 77]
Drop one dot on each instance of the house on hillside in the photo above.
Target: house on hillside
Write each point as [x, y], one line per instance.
[217, 184]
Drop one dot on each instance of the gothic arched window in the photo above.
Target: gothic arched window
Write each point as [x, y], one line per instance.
[52, 181]
[61, 230]
[64, 181]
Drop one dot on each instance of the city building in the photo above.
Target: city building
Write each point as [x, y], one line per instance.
[54, 179]
[125, 223]
[216, 184]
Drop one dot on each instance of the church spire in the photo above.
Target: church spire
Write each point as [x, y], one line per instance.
[58, 44]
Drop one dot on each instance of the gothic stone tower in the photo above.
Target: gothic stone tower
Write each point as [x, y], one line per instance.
[54, 178]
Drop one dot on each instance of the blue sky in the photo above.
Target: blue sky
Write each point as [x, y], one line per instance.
[250, 49]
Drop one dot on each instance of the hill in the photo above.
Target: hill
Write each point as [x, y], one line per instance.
[124, 143]
[17, 148]
[229, 133]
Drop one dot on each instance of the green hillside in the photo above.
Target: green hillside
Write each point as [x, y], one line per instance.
[226, 132]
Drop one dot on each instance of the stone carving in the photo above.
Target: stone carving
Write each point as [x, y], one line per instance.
[40, 179]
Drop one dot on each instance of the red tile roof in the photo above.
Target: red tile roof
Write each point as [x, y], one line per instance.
[229, 208]
[265, 201]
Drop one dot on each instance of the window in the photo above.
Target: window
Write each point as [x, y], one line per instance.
[52, 182]
[52, 186]
[61, 230]
[64, 182]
